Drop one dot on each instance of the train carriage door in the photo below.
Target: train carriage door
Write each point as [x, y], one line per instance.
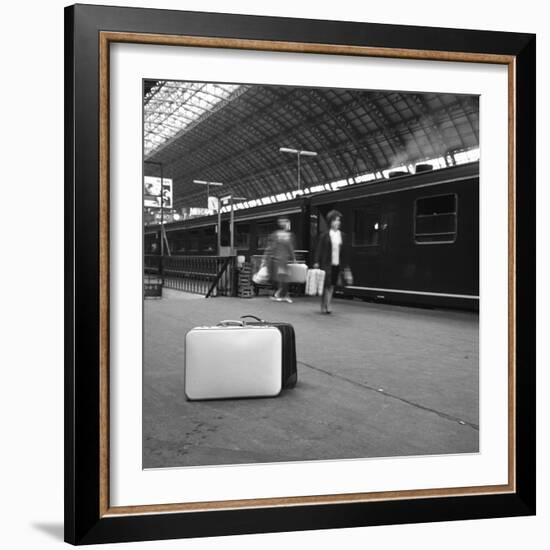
[367, 232]
[225, 237]
[366, 228]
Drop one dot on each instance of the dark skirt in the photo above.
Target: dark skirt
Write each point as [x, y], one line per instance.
[332, 275]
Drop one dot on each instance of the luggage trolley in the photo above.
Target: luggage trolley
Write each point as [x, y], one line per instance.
[152, 286]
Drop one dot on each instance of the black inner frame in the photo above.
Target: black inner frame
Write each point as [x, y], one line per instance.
[83, 524]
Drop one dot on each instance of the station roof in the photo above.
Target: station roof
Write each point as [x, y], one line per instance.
[232, 134]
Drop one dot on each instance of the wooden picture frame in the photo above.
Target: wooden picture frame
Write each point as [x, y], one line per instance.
[89, 32]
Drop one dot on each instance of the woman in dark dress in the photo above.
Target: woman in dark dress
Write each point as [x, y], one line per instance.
[332, 256]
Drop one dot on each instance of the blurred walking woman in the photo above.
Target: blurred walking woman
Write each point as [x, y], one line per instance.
[332, 257]
[279, 253]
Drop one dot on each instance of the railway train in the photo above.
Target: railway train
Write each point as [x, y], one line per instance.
[414, 238]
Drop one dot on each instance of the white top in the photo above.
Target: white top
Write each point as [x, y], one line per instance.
[336, 240]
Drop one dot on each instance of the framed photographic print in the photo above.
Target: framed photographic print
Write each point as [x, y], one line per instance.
[299, 274]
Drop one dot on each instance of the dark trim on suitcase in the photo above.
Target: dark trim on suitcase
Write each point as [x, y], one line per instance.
[288, 337]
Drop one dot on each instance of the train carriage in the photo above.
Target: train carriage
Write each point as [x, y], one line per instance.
[413, 239]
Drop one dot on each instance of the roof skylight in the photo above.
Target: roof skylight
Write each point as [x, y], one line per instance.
[171, 107]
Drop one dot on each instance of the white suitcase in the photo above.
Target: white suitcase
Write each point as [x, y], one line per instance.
[297, 273]
[311, 282]
[232, 360]
[315, 282]
[321, 281]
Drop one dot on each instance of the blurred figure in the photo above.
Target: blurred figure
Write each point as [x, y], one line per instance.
[331, 255]
[279, 253]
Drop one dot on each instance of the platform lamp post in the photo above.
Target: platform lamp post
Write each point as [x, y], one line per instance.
[217, 184]
[159, 164]
[208, 184]
[299, 153]
[232, 199]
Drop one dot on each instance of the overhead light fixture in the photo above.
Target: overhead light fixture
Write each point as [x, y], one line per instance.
[299, 153]
[202, 182]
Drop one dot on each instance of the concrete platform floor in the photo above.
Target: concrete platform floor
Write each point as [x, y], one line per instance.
[373, 380]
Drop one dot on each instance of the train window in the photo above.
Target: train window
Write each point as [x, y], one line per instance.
[242, 236]
[366, 228]
[194, 241]
[264, 230]
[176, 243]
[179, 247]
[435, 219]
[209, 240]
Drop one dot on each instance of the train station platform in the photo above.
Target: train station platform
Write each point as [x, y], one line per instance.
[374, 380]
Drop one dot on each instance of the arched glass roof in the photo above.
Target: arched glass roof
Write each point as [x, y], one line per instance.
[171, 107]
[232, 133]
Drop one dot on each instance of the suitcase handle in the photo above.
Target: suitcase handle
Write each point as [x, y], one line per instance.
[231, 322]
[252, 317]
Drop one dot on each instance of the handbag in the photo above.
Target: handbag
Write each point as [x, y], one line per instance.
[345, 278]
[261, 277]
[348, 276]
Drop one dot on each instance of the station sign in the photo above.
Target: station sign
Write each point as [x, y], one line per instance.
[213, 204]
[151, 192]
[194, 211]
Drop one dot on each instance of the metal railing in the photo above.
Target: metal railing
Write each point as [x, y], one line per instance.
[207, 275]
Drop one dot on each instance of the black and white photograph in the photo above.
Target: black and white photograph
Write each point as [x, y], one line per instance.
[310, 274]
[279, 275]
